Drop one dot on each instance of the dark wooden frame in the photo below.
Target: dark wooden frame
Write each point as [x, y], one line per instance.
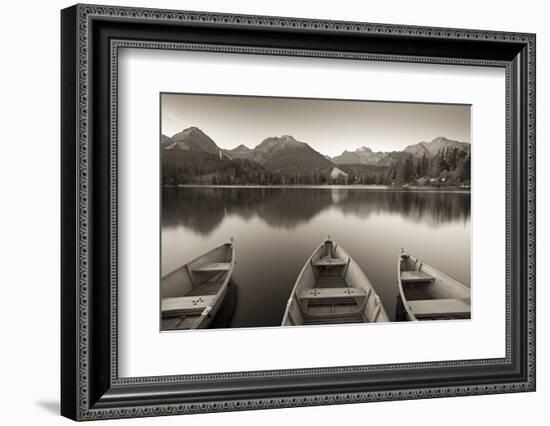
[90, 386]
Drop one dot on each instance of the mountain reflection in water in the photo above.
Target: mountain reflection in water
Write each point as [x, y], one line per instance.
[277, 229]
[203, 209]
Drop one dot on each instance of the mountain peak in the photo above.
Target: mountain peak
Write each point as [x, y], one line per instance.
[363, 149]
[242, 147]
[194, 139]
[278, 142]
[284, 154]
[436, 145]
[440, 140]
[189, 130]
[362, 155]
[241, 151]
[443, 140]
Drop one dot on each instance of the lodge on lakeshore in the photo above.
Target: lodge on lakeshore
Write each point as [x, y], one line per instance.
[338, 174]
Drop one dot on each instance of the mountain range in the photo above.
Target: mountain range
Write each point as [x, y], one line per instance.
[366, 155]
[283, 155]
[191, 154]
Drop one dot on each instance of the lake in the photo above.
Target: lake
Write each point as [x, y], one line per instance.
[275, 230]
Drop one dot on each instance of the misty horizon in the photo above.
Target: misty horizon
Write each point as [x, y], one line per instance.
[328, 126]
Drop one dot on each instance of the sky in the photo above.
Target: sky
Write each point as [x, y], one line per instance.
[328, 126]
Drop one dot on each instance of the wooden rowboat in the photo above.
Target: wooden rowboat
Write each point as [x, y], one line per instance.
[332, 289]
[193, 294]
[426, 293]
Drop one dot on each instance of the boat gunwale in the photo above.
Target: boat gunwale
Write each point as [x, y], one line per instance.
[204, 314]
[438, 275]
[292, 295]
[442, 275]
[363, 275]
[199, 257]
[308, 263]
[404, 301]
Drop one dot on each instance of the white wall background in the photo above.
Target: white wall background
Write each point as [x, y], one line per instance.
[29, 214]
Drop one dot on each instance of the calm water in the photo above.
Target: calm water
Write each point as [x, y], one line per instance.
[276, 230]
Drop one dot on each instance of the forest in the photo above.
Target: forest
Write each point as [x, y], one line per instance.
[450, 166]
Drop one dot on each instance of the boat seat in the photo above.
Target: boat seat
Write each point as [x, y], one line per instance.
[416, 276]
[331, 293]
[439, 307]
[186, 304]
[212, 267]
[330, 262]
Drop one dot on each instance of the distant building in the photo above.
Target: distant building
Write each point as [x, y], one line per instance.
[338, 174]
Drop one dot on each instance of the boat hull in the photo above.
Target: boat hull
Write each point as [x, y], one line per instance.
[332, 289]
[426, 293]
[192, 295]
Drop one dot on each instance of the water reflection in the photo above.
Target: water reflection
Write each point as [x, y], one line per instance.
[225, 315]
[203, 209]
[276, 230]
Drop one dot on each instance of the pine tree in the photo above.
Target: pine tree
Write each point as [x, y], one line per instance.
[443, 164]
[408, 173]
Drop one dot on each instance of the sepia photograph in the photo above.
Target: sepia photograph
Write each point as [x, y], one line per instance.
[284, 210]
[312, 212]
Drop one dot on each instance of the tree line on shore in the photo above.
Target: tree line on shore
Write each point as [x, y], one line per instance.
[450, 166]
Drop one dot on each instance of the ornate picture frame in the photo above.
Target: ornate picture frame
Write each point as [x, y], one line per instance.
[91, 37]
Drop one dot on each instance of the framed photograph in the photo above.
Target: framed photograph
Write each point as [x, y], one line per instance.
[263, 212]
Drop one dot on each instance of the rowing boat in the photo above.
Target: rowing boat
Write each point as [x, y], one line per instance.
[192, 295]
[425, 293]
[332, 289]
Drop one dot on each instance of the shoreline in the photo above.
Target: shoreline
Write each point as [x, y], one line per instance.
[455, 189]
